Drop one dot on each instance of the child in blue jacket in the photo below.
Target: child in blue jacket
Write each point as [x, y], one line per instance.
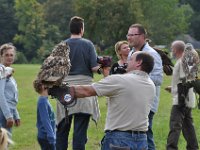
[45, 118]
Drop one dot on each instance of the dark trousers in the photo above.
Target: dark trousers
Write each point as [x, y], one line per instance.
[181, 120]
[45, 145]
[81, 122]
[150, 140]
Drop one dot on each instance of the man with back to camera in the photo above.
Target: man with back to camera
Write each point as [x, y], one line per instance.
[83, 63]
[137, 41]
[128, 107]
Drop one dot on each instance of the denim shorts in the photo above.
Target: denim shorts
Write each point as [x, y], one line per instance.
[124, 140]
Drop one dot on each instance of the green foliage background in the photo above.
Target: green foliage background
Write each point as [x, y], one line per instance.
[35, 26]
[25, 135]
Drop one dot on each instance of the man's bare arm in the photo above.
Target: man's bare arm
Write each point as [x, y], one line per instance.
[81, 91]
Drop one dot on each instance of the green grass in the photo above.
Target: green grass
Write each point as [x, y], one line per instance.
[25, 135]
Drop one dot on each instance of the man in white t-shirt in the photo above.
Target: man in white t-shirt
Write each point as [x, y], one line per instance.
[129, 103]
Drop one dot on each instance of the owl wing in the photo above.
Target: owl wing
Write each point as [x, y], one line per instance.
[56, 66]
[190, 61]
[166, 61]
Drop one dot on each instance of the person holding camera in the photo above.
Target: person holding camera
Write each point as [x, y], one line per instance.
[83, 60]
[122, 50]
[9, 115]
[181, 112]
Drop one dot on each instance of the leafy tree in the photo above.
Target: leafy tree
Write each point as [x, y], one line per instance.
[165, 19]
[108, 21]
[8, 23]
[35, 32]
[42, 1]
[31, 26]
[195, 19]
[53, 37]
[20, 58]
[58, 13]
[43, 23]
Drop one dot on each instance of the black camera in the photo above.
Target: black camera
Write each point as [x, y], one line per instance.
[105, 61]
[120, 69]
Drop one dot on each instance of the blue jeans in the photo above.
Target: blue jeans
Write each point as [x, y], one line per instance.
[81, 122]
[150, 140]
[45, 145]
[119, 140]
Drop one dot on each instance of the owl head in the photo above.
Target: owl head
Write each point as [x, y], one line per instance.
[61, 49]
[189, 47]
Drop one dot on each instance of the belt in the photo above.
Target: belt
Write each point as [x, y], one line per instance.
[128, 131]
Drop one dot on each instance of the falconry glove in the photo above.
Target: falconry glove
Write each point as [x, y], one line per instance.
[64, 94]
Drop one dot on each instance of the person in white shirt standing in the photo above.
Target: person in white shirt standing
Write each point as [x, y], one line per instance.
[181, 113]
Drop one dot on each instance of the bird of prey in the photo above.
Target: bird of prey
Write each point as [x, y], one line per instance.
[166, 61]
[190, 61]
[56, 66]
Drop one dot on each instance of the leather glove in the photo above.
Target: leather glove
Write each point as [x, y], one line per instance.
[64, 94]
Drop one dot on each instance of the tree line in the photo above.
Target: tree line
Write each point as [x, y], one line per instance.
[35, 26]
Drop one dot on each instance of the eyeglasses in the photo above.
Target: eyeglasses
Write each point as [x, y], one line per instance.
[132, 35]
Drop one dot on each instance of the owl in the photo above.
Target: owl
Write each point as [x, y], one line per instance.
[190, 61]
[166, 61]
[56, 66]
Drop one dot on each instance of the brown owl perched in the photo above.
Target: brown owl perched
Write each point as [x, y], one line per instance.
[190, 61]
[56, 66]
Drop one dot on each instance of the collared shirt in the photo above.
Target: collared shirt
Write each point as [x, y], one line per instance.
[129, 103]
[156, 74]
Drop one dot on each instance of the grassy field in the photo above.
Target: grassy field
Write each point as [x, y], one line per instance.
[25, 135]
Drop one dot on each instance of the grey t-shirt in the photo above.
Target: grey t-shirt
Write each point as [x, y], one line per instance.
[82, 55]
[130, 99]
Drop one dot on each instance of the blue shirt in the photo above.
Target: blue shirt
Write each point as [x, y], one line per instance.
[45, 120]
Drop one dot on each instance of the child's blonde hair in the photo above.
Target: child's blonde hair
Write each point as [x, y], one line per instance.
[4, 139]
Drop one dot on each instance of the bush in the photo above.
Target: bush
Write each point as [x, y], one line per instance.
[20, 58]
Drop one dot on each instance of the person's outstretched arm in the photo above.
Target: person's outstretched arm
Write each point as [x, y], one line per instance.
[81, 91]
